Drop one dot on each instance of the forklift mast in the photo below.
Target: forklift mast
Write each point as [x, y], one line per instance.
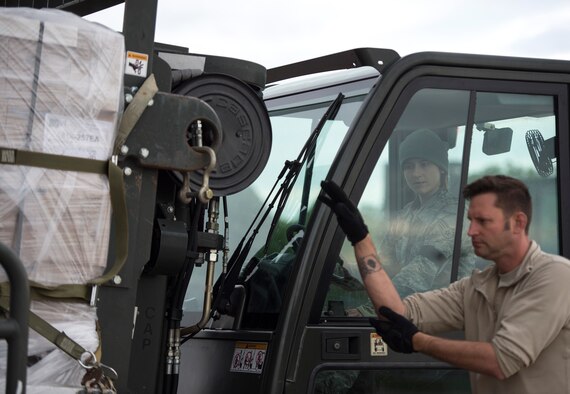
[177, 167]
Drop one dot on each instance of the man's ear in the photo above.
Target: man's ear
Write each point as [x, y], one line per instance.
[520, 220]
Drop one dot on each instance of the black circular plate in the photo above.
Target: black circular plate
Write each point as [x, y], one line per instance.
[246, 131]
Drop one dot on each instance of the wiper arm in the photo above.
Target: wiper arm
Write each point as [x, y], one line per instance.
[307, 152]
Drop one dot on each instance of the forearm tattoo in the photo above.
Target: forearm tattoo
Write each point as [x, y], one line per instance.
[368, 264]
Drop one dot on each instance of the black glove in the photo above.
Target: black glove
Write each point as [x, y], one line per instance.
[347, 214]
[397, 331]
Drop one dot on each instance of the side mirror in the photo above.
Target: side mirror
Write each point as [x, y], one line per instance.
[496, 141]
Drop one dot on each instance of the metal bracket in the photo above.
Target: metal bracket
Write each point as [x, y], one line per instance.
[160, 137]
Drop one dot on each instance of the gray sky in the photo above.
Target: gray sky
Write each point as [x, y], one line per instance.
[275, 33]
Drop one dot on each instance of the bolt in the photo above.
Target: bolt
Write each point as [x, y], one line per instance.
[134, 89]
[170, 209]
[150, 103]
[144, 153]
[117, 280]
[127, 171]
[336, 346]
[128, 97]
[124, 149]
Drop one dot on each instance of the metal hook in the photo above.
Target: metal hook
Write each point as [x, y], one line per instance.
[87, 360]
[205, 194]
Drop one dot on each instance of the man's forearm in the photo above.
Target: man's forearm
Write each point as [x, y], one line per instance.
[377, 282]
[474, 356]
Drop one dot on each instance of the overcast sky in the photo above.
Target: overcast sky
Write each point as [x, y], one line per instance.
[274, 33]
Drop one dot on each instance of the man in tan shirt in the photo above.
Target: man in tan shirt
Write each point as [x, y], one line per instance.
[515, 313]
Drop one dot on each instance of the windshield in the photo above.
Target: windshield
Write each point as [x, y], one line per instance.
[266, 274]
[291, 129]
[293, 119]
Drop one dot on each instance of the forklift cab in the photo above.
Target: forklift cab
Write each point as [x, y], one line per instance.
[300, 287]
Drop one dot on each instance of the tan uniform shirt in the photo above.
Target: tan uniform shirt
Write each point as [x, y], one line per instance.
[525, 314]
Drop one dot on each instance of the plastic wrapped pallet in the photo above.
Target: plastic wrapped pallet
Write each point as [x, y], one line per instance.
[61, 81]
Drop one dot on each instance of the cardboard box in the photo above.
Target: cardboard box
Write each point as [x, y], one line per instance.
[61, 83]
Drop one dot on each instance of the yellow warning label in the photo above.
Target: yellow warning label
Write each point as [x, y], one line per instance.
[249, 357]
[139, 56]
[136, 64]
[251, 345]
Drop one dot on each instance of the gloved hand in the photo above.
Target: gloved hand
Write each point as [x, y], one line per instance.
[348, 216]
[397, 331]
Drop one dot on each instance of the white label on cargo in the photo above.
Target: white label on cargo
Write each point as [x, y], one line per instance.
[16, 27]
[137, 64]
[78, 137]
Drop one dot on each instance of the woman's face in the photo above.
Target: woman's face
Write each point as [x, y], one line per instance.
[422, 176]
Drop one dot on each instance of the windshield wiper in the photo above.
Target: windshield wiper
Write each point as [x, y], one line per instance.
[225, 284]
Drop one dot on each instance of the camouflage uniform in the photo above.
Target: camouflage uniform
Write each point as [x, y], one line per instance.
[418, 250]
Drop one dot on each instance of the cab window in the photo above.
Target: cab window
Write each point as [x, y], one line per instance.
[266, 274]
[417, 217]
[411, 204]
[514, 134]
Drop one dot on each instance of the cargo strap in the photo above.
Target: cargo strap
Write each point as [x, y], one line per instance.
[87, 359]
[117, 190]
[58, 338]
[118, 204]
[134, 111]
[99, 375]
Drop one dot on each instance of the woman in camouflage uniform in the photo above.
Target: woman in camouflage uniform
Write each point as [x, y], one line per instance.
[417, 252]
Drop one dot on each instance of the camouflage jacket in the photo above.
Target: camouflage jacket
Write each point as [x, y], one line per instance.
[418, 249]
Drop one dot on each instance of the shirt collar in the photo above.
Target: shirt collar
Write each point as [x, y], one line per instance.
[481, 278]
[510, 278]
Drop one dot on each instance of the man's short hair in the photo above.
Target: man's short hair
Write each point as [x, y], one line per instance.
[512, 194]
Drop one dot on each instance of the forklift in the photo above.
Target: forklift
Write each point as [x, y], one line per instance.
[236, 278]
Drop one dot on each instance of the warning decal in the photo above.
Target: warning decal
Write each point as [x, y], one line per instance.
[137, 64]
[249, 357]
[377, 345]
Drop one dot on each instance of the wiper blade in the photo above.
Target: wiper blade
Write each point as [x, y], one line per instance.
[307, 151]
